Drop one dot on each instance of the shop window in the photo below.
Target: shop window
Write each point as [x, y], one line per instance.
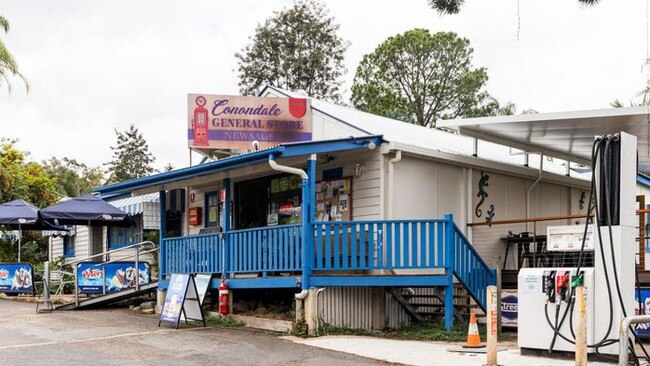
[212, 209]
[68, 246]
[334, 173]
[119, 237]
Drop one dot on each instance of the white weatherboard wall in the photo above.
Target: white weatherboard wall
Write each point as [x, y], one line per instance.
[81, 242]
[508, 195]
[426, 189]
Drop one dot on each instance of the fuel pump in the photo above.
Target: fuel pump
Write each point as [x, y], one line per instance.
[546, 295]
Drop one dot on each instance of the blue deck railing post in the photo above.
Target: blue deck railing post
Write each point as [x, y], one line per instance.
[450, 257]
[308, 231]
[225, 226]
[162, 265]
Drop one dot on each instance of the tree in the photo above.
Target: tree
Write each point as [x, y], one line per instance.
[26, 180]
[131, 156]
[419, 77]
[8, 65]
[73, 178]
[296, 49]
[453, 6]
[22, 179]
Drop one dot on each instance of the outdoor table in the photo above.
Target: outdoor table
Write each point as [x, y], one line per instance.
[520, 241]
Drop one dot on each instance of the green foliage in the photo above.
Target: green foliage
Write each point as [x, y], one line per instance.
[299, 328]
[297, 49]
[33, 248]
[73, 178]
[643, 99]
[429, 331]
[22, 179]
[131, 156]
[8, 65]
[453, 6]
[223, 322]
[419, 77]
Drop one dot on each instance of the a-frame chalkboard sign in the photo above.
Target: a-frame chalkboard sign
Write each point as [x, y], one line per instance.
[182, 297]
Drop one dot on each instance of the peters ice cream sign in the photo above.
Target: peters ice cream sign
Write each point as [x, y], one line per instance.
[234, 122]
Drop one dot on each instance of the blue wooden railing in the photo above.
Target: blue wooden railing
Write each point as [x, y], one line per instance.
[193, 254]
[346, 246]
[274, 248]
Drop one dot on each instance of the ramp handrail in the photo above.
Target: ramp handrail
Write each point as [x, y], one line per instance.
[136, 246]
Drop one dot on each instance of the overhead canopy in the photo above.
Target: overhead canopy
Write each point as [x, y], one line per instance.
[280, 151]
[564, 135]
[134, 205]
[85, 210]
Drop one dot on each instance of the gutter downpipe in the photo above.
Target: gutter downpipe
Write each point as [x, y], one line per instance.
[539, 178]
[391, 182]
[305, 209]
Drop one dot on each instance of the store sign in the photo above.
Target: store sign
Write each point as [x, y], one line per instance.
[119, 276]
[16, 278]
[234, 122]
[183, 300]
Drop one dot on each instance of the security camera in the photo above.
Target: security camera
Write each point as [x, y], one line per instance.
[256, 145]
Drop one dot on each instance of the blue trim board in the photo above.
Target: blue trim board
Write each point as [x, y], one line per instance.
[379, 281]
[329, 281]
[283, 150]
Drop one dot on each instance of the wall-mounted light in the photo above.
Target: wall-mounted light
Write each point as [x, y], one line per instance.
[358, 169]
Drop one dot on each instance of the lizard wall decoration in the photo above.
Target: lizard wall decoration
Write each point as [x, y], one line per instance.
[482, 183]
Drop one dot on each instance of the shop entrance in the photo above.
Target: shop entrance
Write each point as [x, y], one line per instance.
[268, 201]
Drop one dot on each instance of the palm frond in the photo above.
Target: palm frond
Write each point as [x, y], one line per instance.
[4, 23]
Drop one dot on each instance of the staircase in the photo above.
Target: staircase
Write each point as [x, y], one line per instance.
[424, 304]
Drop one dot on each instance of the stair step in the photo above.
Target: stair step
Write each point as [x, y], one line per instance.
[462, 306]
[419, 296]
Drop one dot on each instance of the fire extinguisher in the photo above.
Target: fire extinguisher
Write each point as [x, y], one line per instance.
[224, 298]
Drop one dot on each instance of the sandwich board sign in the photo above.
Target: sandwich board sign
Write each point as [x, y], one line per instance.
[182, 299]
[202, 281]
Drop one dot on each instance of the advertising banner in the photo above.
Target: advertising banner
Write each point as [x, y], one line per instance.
[173, 305]
[16, 278]
[119, 276]
[509, 308]
[234, 122]
[202, 282]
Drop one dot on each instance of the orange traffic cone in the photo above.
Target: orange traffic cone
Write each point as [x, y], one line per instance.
[473, 338]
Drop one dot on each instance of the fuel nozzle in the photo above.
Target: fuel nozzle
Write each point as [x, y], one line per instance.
[549, 286]
[562, 285]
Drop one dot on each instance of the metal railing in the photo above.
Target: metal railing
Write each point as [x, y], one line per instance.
[137, 247]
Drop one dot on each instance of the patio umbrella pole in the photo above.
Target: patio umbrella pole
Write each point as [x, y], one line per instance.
[19, 241]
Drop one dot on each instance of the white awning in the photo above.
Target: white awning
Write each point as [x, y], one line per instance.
[564, 135]
[134, 205]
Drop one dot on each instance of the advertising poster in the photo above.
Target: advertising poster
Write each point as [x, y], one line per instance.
[643, 329]
[202, 282]
[16, 278]
[509, 308]
[119, 276]
[173, 306]
[234, 122]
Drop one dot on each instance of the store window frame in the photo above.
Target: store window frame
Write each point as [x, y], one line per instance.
[68, 246]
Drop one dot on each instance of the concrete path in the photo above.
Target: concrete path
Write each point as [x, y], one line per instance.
[120, 337]
[423, 353]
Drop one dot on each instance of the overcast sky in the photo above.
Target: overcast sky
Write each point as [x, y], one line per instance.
[95, 66]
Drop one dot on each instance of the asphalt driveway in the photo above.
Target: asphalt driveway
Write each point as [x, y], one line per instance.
[120, 337]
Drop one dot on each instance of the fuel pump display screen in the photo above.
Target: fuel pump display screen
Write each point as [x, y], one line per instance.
[569, 238]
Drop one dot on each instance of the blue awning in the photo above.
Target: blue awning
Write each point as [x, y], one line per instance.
[232, 162]
[134, 205]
